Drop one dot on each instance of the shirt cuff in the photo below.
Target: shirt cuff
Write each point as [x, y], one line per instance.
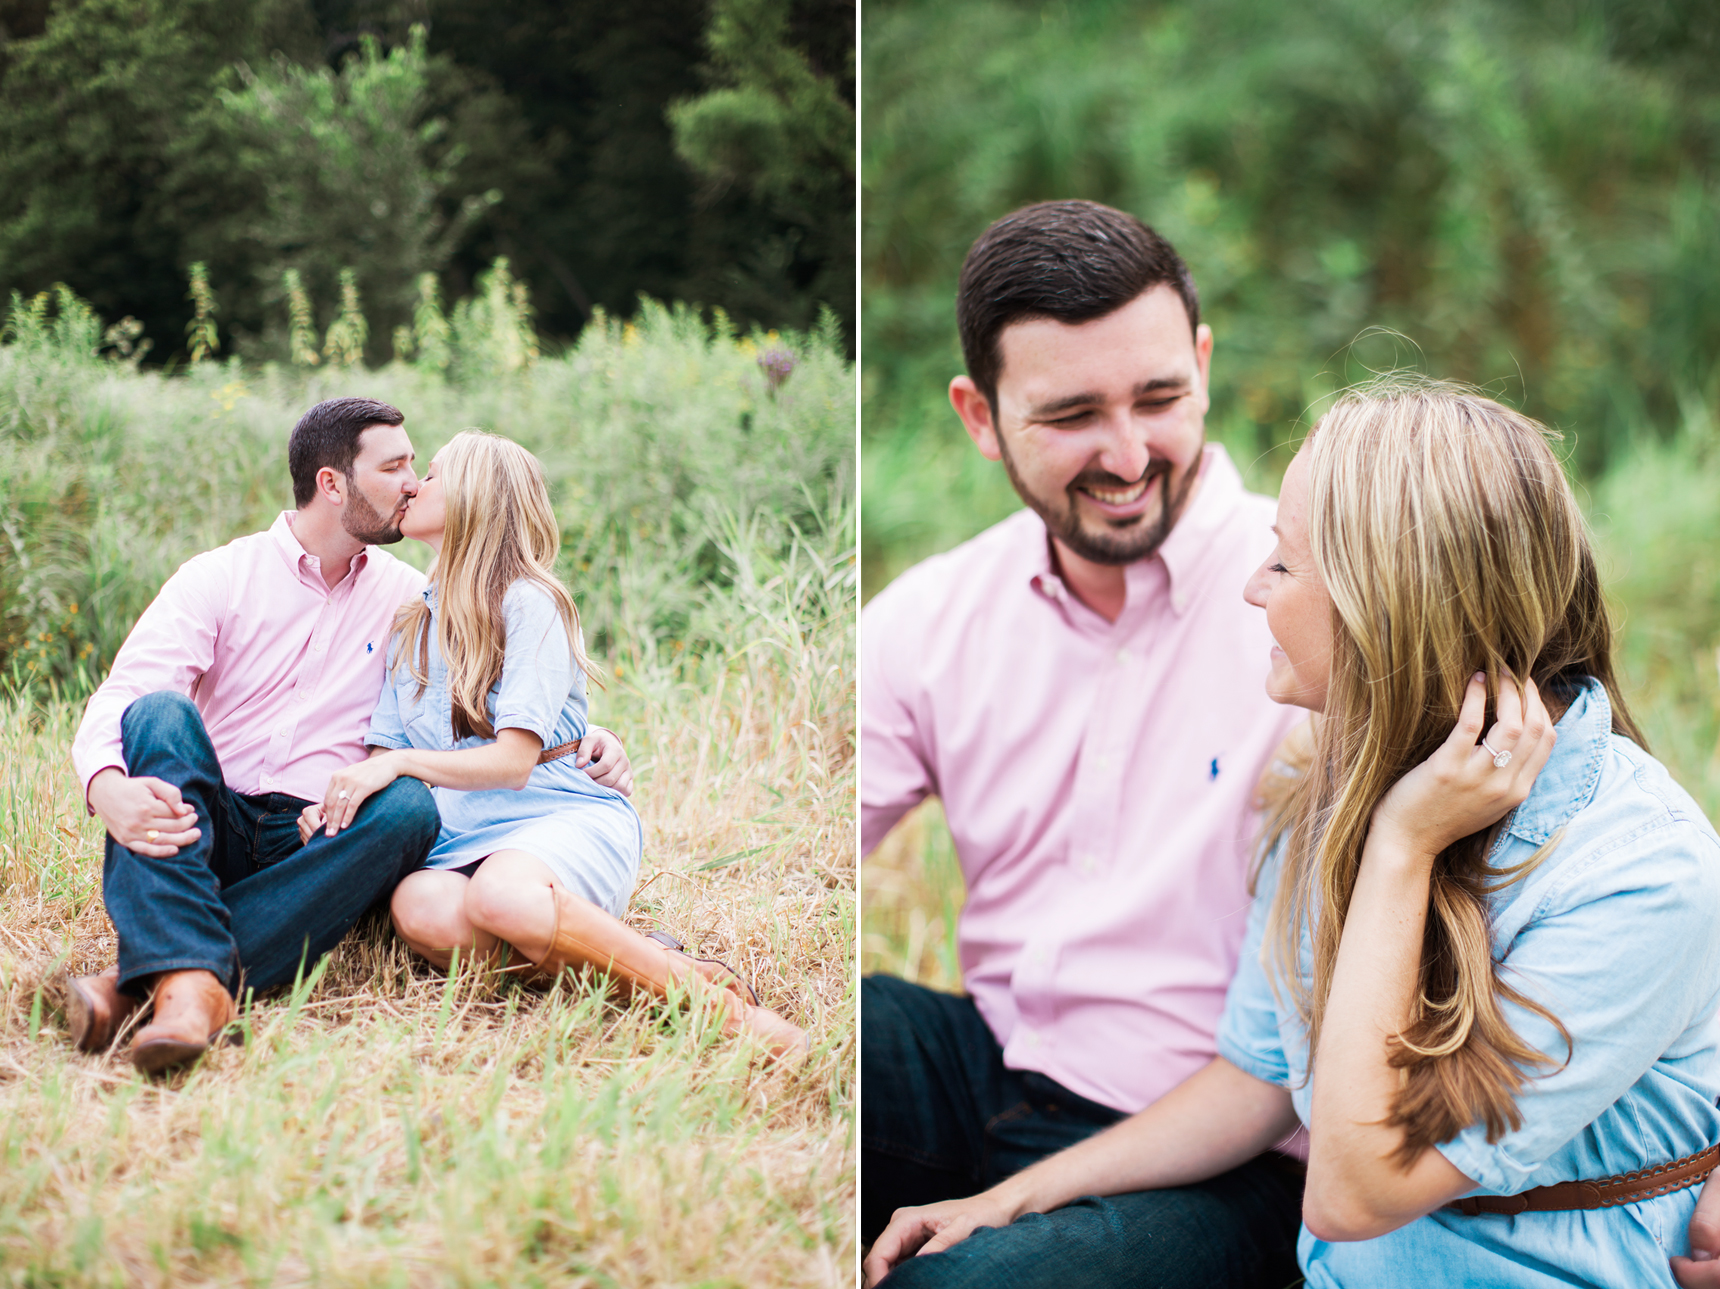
[1250, 1063]
[524, 721]
[393, 742]
[1493, 1172]
[112, 765]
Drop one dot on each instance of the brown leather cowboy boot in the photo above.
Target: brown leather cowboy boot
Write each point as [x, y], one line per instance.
[96, 1010]
[586, 938]
[191, 1008]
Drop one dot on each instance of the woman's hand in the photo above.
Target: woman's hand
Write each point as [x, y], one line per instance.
[348, 788]
[1701, 1270]
[602, 757]
[1459, 790]
[932, 1229]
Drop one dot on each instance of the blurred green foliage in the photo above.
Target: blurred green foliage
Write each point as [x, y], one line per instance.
[689, 490]
[1528, 192]
[398, 137]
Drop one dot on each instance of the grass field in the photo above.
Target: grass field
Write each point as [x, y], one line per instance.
[383, 1124]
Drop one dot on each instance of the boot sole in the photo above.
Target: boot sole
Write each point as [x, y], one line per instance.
[87, 1033]
[80, 1015]
[165, 1054]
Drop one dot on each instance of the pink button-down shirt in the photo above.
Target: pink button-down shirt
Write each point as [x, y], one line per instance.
[284, 670]
[1097, 778]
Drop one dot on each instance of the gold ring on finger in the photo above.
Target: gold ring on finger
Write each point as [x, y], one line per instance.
[151, 834]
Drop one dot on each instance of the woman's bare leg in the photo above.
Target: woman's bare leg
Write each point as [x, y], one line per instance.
[429, 912]
[512, 897]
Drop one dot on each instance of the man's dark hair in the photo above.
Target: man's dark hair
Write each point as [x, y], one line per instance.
[327, 435]
[1072, 261]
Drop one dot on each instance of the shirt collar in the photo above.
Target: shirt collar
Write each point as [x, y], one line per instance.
[298, 558]
[1182, 552]
[1567, 783]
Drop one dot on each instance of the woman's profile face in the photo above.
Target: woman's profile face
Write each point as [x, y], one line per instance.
[427, 515]
[1298, 609]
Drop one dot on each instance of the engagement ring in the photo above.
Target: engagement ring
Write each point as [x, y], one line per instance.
[1500, 759]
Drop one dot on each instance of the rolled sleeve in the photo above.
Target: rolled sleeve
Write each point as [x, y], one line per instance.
[1624, 959]
[538, 671]
[169, 648]
[1249, 1036]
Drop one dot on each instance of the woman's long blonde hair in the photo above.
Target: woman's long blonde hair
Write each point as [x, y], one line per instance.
[1449, 540]
[499, 530]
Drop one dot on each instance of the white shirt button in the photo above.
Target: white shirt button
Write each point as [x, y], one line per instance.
[1101, 763]
[1123, 657]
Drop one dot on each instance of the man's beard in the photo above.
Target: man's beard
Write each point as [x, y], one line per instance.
[1124, 542]
[361, 520]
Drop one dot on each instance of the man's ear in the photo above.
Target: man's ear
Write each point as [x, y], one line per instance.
[331, 486]
[975, 410]
[1203, 358]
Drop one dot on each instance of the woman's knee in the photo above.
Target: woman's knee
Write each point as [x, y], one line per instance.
[502, 905]
[429, 912]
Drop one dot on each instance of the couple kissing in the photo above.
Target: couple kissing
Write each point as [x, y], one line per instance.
[301, 726]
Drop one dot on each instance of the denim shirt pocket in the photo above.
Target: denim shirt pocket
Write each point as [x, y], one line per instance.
[428, 724]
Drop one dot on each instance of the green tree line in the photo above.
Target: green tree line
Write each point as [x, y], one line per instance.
[1528, 191]
[697, 150]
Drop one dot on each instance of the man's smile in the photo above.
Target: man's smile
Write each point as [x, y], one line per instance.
[1116, 500]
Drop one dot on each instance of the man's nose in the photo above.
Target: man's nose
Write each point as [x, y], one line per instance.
[1125, 453]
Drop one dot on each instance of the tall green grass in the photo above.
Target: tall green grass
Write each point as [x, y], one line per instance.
[384, 1124]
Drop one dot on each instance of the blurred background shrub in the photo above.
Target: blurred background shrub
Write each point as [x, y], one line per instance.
[689, 481]
[1526, 191]
[681, 149]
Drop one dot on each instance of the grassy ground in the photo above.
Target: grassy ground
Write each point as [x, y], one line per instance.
[383, 1124]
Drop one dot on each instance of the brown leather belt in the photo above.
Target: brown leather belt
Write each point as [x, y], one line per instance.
[557, 752]
[1606, 1192]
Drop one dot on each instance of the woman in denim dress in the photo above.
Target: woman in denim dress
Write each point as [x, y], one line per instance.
[485, 701]
[1483, 961]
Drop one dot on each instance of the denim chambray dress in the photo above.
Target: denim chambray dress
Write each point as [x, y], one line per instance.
[588, 836]
[1617, 932]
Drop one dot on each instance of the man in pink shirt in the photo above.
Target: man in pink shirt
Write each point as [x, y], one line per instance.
[1083, 687]
[245, 684]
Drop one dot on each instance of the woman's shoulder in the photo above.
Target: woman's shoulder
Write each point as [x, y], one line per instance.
[1638, 832]
[530, 600]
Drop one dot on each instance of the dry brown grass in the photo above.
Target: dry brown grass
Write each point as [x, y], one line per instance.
[383, 1124]
[913, 894]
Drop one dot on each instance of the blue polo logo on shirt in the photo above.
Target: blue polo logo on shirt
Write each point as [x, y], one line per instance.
[370, 647]
[1212, 774]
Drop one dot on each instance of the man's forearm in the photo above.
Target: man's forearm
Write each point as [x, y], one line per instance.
[1214, 1120]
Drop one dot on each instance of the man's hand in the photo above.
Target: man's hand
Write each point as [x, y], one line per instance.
[310, 819]
[1701, 1270]
[146, 815]
[602, 757]
[932, 1229]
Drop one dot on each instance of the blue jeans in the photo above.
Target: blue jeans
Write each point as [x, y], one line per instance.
[247, 901]
[941, 1117]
